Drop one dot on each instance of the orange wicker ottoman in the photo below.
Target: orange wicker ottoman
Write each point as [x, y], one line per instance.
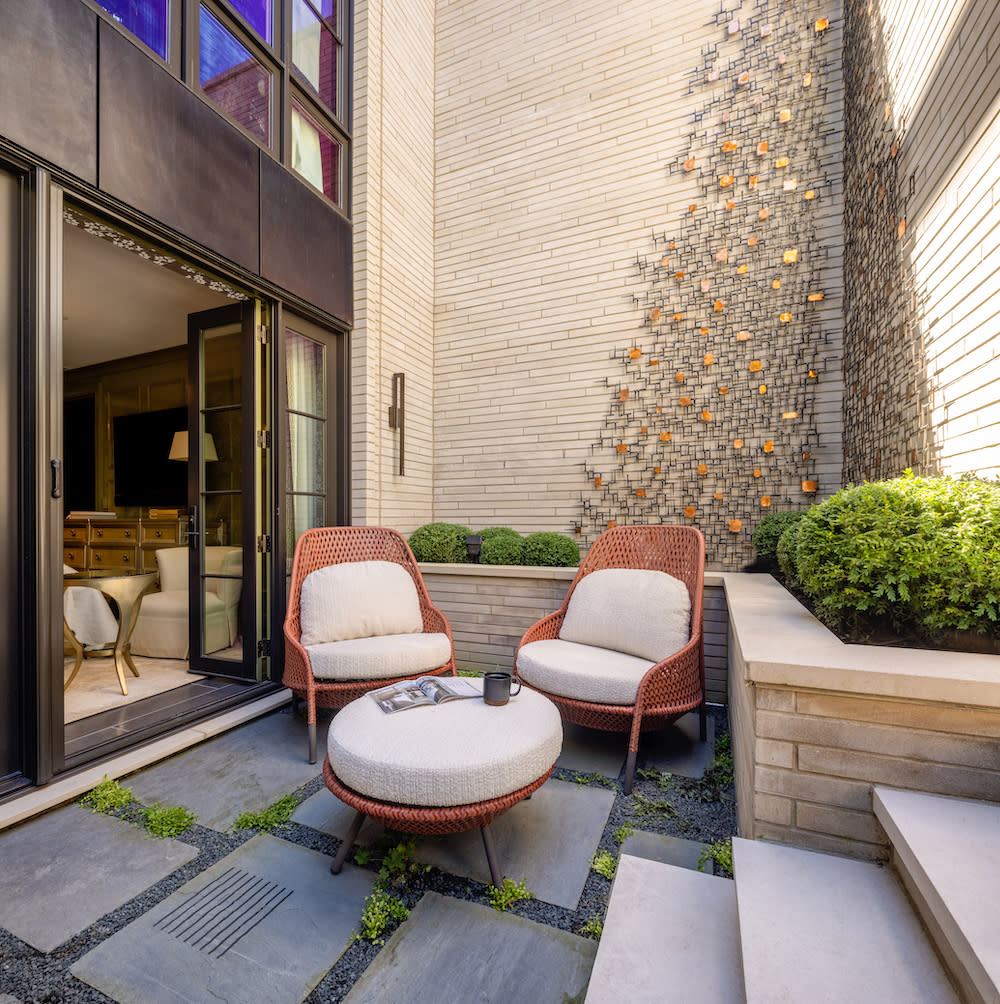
[437, 770]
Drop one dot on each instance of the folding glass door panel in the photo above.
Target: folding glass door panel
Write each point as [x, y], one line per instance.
[227, 549]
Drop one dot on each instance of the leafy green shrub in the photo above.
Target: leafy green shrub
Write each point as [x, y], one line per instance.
[439, 542]
[501, 546]
[769, 530]
[551, 549]
[786, 551]
[919, 553]
[380, 910]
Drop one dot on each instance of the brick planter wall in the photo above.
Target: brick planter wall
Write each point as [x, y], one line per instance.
[817, 723]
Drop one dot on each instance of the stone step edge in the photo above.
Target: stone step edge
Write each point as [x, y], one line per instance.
[635, 944]
[958, 954]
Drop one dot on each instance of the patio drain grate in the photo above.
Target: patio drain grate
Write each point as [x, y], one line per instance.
[216, 917]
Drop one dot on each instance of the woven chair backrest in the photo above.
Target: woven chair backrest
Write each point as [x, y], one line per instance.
[331, 545]
[677, 550]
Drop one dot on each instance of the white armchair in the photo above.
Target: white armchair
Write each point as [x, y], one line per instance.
[162, 628]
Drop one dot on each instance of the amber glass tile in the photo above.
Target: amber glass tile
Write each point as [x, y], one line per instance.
[790, 256]
[737, 444]
[623, 394]
[743, 269]
[784, 318]
[723, 390]
[689, 164]
[815, 297]
[902, 227]
[785, 115]
[679, 376]
[654, 314]
[658, 409]
[806, 455]
[822, 24]
[810, 486]
[725, 180]
[634, 353]
[730, 204]
[743, 79]
[704, 331]
[763, 214]
[765, 501]
[781, 162]
[664, 262]
[722, 254]
[775, 284]
[718, 496]
[706, 285]
[752, 181]
[684, 402]
[623, 447]
[706, 416]
[807, 79]
[809, 194]
[789, 184]
[703, 469]
[735, 525]
[756, 472]
[812, 374]
[597, 481]
[789, 414]
[641, 492]
[762, 148]
[612, 523]
[742, 336]
[755, 366]
[719, 306]
[665, 437]
[689, 511]
[729, 146]
[708, 359]
[643, 429]
[679, 316]
[656, 470]
[654, 362]
[762, 389]
[769, 446]
[693, 207]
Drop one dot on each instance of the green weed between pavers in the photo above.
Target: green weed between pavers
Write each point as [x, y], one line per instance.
[605, 863]
[662, 780]
[623, 833]
[167, 820]
[646, 807]
[270, 818]
[508, 894]
[380, 910]
[108, 796]
[721, 852]
[398, 866]
[595, 778]
[593, 928]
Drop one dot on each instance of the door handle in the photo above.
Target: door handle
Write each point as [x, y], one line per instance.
[193, 533]
[56, 471]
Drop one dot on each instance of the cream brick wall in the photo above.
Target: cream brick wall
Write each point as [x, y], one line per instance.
[556, 127]
[393, 210]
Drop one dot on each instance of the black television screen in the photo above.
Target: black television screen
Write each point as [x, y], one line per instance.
[143, 474]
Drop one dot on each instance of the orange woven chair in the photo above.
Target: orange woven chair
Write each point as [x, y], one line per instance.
[611, 685]
[363, 587]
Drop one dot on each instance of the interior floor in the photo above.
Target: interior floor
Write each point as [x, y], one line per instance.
[96, 688]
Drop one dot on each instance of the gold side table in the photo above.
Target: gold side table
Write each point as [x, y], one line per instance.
[127, 591]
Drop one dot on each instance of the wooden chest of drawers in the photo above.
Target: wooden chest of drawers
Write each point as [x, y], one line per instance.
[119, 545]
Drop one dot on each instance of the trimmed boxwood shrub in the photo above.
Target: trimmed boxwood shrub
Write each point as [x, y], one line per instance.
[551, 549]
[501, 546]
[919, 553]
[768, 532]
[440, 542]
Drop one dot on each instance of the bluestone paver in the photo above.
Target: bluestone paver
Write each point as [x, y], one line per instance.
[547, 840]
[677, 748]
[245, 770]
[326, 813]
[63, 871]
[592, 751]
[451, 950]
[263, 924]
[665, 849]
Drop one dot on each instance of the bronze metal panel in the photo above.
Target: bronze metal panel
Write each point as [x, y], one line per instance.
[170, 155]
[305, 244]
[48, 81]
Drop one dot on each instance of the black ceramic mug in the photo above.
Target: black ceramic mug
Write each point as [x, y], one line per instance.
[496, 688]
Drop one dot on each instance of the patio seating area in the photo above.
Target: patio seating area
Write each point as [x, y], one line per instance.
[103, 911]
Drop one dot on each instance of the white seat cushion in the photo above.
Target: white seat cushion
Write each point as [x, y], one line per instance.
[633, 610]
[174, 605]
[450, 754]
[358, 599]
[380, 658]
[583, 672]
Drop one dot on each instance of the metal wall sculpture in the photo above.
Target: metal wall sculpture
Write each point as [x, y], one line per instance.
[711, 420]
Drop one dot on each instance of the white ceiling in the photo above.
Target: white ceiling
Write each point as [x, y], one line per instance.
[116, 303]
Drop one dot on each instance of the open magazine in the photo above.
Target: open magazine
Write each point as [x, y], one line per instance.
[426, 690]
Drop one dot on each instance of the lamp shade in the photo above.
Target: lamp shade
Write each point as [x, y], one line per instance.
[179, 447]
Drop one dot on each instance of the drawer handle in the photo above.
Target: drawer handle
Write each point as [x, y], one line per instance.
[100, 533]
[126, 558]
[97, 556]
[159, 533]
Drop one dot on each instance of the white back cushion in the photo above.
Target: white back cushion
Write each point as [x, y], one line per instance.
[172, 563]
[632, 610]
[358, 599]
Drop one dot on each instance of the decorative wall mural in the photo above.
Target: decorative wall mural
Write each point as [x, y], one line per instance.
[711, 419]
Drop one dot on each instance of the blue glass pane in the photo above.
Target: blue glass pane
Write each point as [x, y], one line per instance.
[257, 14]
[233, 79]
[148, 20]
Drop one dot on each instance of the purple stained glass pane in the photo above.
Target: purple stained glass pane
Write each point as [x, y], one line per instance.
[233, 79]
[257, 14]
[148, 20]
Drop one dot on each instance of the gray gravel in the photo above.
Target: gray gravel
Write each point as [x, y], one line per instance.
[34, 976]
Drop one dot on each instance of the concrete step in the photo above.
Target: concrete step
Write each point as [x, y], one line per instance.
[947, 851]
[669, 934]
[820, 928]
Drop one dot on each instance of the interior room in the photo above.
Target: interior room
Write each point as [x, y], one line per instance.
[126, 305]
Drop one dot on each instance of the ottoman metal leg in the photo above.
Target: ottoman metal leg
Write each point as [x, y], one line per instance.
[491, 857]
[345, 847]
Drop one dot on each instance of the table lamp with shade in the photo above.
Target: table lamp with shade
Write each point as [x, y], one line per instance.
[179, 447]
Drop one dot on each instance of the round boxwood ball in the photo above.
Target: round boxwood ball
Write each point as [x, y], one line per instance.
[440, 542]
[551, 549]
[501, 546]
